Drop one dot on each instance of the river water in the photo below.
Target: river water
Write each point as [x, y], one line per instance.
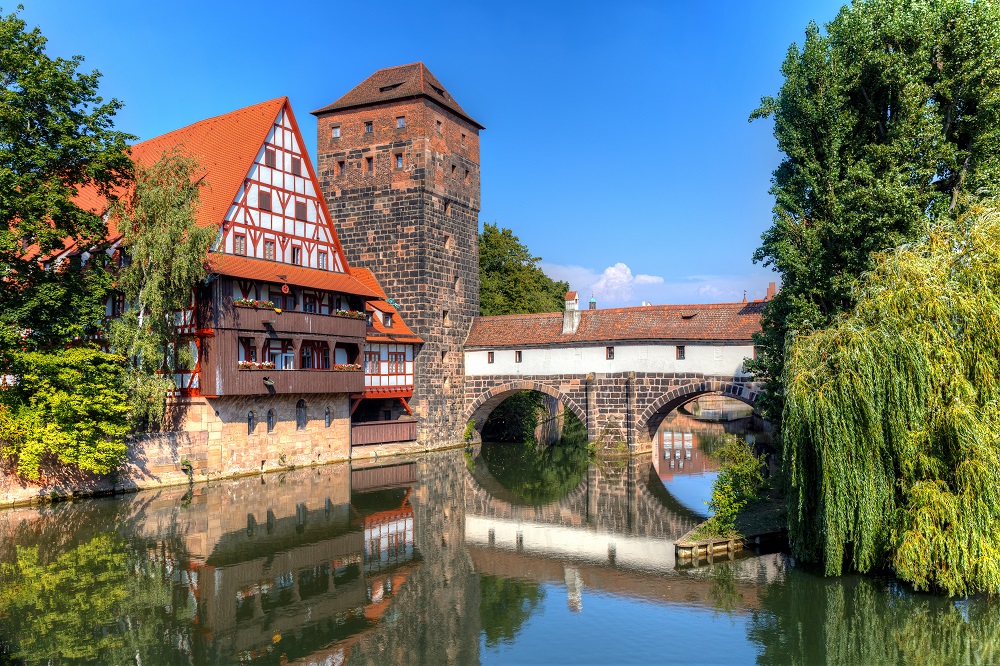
[502, 554]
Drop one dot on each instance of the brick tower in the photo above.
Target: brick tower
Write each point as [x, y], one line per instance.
[398, 163]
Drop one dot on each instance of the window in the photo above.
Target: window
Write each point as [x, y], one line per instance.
[248, 349]
[453, 168]
[369, 164]
[340, 167]
[300, 210]
[447, 208]
[400, 122]
[240, 244]
[297, 256]
[327, 417]
[300, 415]
[399, 160]
[680, 352]
[609, 353]
[117, 305]
[371, 363]
[368, 127]
[321, 259]
[264, 200]
[463, 138]
[517, 357]
[269, 250]
[439, 127]
[251, 422]
[489, 357]
[309, 303]
[466, 175]
[397, 363]
[445, 319]
[270, 420]
[296, 166]
[387, 320]
[281, 353]
[335, 132]
[307, 357]
[269, 157]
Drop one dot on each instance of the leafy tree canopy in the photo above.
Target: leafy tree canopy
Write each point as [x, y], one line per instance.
[889, 119]
[56, 136]
[892, 422]
[166, 249]
[510, 281]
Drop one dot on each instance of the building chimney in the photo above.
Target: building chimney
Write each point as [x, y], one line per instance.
[593, 302]
[771, 291]
[571, 317]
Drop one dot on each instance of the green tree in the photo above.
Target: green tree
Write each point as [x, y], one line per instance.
[166, 251]
[56, 137]
[892, 425]
[67, 404]
[887, 120]
[510, 281]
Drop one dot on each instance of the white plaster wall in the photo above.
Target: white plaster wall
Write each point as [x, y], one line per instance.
[708, 359]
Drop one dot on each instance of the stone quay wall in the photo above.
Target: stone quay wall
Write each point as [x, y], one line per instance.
[212, 437]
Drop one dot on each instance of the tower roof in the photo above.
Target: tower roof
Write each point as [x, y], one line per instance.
[397, 83]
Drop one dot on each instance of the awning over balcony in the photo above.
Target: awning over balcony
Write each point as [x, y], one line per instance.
[274, 272]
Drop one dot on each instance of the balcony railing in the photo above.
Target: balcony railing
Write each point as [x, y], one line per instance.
[383, 432]
[289, 321]
[259, 382]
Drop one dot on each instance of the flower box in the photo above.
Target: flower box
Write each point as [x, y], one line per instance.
[255, 365]
[346, 367]
[252, 303]
[350, 314]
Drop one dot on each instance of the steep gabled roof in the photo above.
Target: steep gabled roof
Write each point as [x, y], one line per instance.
[248, 268]
[724, 322]
[378, 331]
[396, 83]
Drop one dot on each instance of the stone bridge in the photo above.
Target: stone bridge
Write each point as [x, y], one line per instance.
[618, 409]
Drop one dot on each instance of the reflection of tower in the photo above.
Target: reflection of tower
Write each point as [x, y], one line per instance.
[574, 588]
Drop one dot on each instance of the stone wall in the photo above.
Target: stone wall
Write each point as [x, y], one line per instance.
[212, 437]
[622, 411]
[416, 228]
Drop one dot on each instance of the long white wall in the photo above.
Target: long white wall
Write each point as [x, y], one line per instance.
[708, 359]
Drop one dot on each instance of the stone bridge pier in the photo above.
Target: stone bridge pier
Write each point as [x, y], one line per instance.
[621, 411]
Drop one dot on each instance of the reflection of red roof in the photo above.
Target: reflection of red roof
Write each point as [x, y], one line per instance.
[717, 321]
[397, 83]
[271, 271]
[378, 331]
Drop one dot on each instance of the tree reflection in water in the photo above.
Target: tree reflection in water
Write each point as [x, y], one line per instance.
[505, 605]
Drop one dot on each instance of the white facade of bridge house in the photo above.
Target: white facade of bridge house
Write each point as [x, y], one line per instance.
[720, 359]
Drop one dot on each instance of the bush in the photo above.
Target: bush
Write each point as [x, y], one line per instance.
[740, 482]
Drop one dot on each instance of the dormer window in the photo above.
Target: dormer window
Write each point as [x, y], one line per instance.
[387, 320]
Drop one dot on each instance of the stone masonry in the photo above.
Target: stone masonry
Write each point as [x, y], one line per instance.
[619, 409]
[404, 196]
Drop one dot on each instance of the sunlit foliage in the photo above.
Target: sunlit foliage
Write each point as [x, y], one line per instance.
[892, 425]
[510, 281]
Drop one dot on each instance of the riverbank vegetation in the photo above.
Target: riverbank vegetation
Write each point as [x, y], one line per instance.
[739, 485]
[879, 354]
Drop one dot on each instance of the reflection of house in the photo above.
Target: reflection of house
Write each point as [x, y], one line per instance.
[382, 414]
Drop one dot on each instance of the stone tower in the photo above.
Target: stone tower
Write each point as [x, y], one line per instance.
[398, 163]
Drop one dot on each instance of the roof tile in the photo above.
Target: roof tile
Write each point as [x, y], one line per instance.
[271, 271]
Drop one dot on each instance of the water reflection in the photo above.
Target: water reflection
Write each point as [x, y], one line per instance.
[429, 561]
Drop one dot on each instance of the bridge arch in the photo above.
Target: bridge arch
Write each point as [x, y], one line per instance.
[489, 400]
[649, 422]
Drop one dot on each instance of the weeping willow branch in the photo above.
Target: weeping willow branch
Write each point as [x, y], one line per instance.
[891, 424]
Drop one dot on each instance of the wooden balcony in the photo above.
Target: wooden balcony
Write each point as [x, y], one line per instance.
[251, 382]
[383, 432]
[294, 322]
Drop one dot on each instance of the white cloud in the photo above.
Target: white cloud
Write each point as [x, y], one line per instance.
[616, 286]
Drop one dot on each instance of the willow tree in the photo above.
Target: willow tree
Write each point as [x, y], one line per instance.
[165, 249]
[887, 120]
[892, 419]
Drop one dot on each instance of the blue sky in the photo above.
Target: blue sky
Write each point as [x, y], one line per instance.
[616, 146]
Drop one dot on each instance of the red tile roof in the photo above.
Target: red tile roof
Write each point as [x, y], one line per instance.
[395, 83]
[571, 296]
[378, 331]
[730, 322]
[271, 271]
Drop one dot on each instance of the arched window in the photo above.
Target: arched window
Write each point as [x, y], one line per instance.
[328, 417]
[300, 415]
[251, 422]
[270, 420]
